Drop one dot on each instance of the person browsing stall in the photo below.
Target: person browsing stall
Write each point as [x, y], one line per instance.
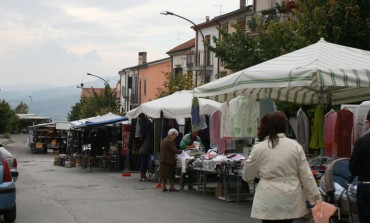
[359, 165]
[188, 140]
[167, 153]
[285, 178]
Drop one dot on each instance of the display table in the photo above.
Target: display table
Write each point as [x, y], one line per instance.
[229, 188]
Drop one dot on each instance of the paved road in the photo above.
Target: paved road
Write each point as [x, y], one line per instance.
[48, 193]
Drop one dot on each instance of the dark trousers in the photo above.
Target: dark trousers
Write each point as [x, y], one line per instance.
[278, 221]
[363, 202]
[187, 178]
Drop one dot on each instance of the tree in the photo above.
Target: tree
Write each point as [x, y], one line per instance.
[175, 82]
[237, 49]
[344, 22]
[8, 118]
[22, 108]
[98, 104]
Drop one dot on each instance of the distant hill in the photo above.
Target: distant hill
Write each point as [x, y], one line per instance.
[50, 102]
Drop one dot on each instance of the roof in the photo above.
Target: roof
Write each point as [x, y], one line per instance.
[89, 92]
[184, 46]
[31, 116]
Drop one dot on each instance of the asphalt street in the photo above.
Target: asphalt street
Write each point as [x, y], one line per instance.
[48, 193]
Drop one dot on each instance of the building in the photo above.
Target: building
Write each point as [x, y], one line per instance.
[140, 83]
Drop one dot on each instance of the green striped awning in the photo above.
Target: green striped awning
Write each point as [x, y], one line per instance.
[320, 73]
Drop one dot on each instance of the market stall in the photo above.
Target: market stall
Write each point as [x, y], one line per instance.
[322, 73]
[48, 137]
[162, 113]
[96, 141]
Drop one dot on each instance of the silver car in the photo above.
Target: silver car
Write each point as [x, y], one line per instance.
[11, 161]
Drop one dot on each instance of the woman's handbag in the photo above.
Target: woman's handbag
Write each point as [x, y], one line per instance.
[322, 211]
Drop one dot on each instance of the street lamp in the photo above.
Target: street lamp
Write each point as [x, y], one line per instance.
[106, 86]
[204, 41]
[105, 82]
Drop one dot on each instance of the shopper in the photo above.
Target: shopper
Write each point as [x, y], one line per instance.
[285, 178]
[144, 154]
[359, 165]
[189, 141]
[167, 166]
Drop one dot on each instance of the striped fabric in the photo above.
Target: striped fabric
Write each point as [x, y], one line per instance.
[322, 72]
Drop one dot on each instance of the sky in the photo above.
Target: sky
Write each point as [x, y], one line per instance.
[56, 42]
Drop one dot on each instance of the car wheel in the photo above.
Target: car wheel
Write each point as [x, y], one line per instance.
[10, 215]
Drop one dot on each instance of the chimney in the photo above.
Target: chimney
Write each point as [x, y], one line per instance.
[242, 4]
[207, 18]
[142, 58]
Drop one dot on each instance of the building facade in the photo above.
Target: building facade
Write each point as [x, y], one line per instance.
[140, 83]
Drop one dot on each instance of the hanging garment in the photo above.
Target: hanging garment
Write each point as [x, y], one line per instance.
[317, 139]
[303, 129]
[225, 129]
[195, 116]
[330, 119]
[244, 113]
[214, 125]
[126, 129]
[344, 132]
[216, 140]
[267, 106]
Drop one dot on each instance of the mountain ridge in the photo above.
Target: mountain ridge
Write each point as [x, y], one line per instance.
[53, 102]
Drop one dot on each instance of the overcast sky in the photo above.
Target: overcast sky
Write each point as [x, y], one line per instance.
[55, 42]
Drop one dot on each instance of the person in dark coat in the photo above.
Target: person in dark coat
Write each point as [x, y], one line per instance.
[359, 165]
[167, 154]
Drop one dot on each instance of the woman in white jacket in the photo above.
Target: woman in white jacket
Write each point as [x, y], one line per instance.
[285, 178]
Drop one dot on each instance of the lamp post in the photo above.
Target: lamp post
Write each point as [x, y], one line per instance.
[204, 41]
[106, 86]
[105, 82]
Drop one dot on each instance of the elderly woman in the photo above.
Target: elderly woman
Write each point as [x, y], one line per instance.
[285, 178]
[167, 154]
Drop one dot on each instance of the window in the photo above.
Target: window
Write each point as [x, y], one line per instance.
[144, 87]
[225, 28]
[242, 23]
[178, 70]
[208, 52]
[123, 91]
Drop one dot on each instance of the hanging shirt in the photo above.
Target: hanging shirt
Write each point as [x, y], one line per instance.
[214, 126]
[329, 126]
[317, 139]
[344, 132]
[225, 129]
[267, 106]
[303, 129]
[244, 113]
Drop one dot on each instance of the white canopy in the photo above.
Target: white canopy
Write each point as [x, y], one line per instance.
[322, 72]
[176, 105]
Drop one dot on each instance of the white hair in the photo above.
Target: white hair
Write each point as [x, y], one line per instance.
[173, 132]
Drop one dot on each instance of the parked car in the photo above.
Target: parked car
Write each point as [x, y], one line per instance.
[7, 192]
[12, 162]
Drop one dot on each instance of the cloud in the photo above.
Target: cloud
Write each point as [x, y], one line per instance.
[57, 42]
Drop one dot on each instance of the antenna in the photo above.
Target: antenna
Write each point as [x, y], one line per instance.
[220, 8]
